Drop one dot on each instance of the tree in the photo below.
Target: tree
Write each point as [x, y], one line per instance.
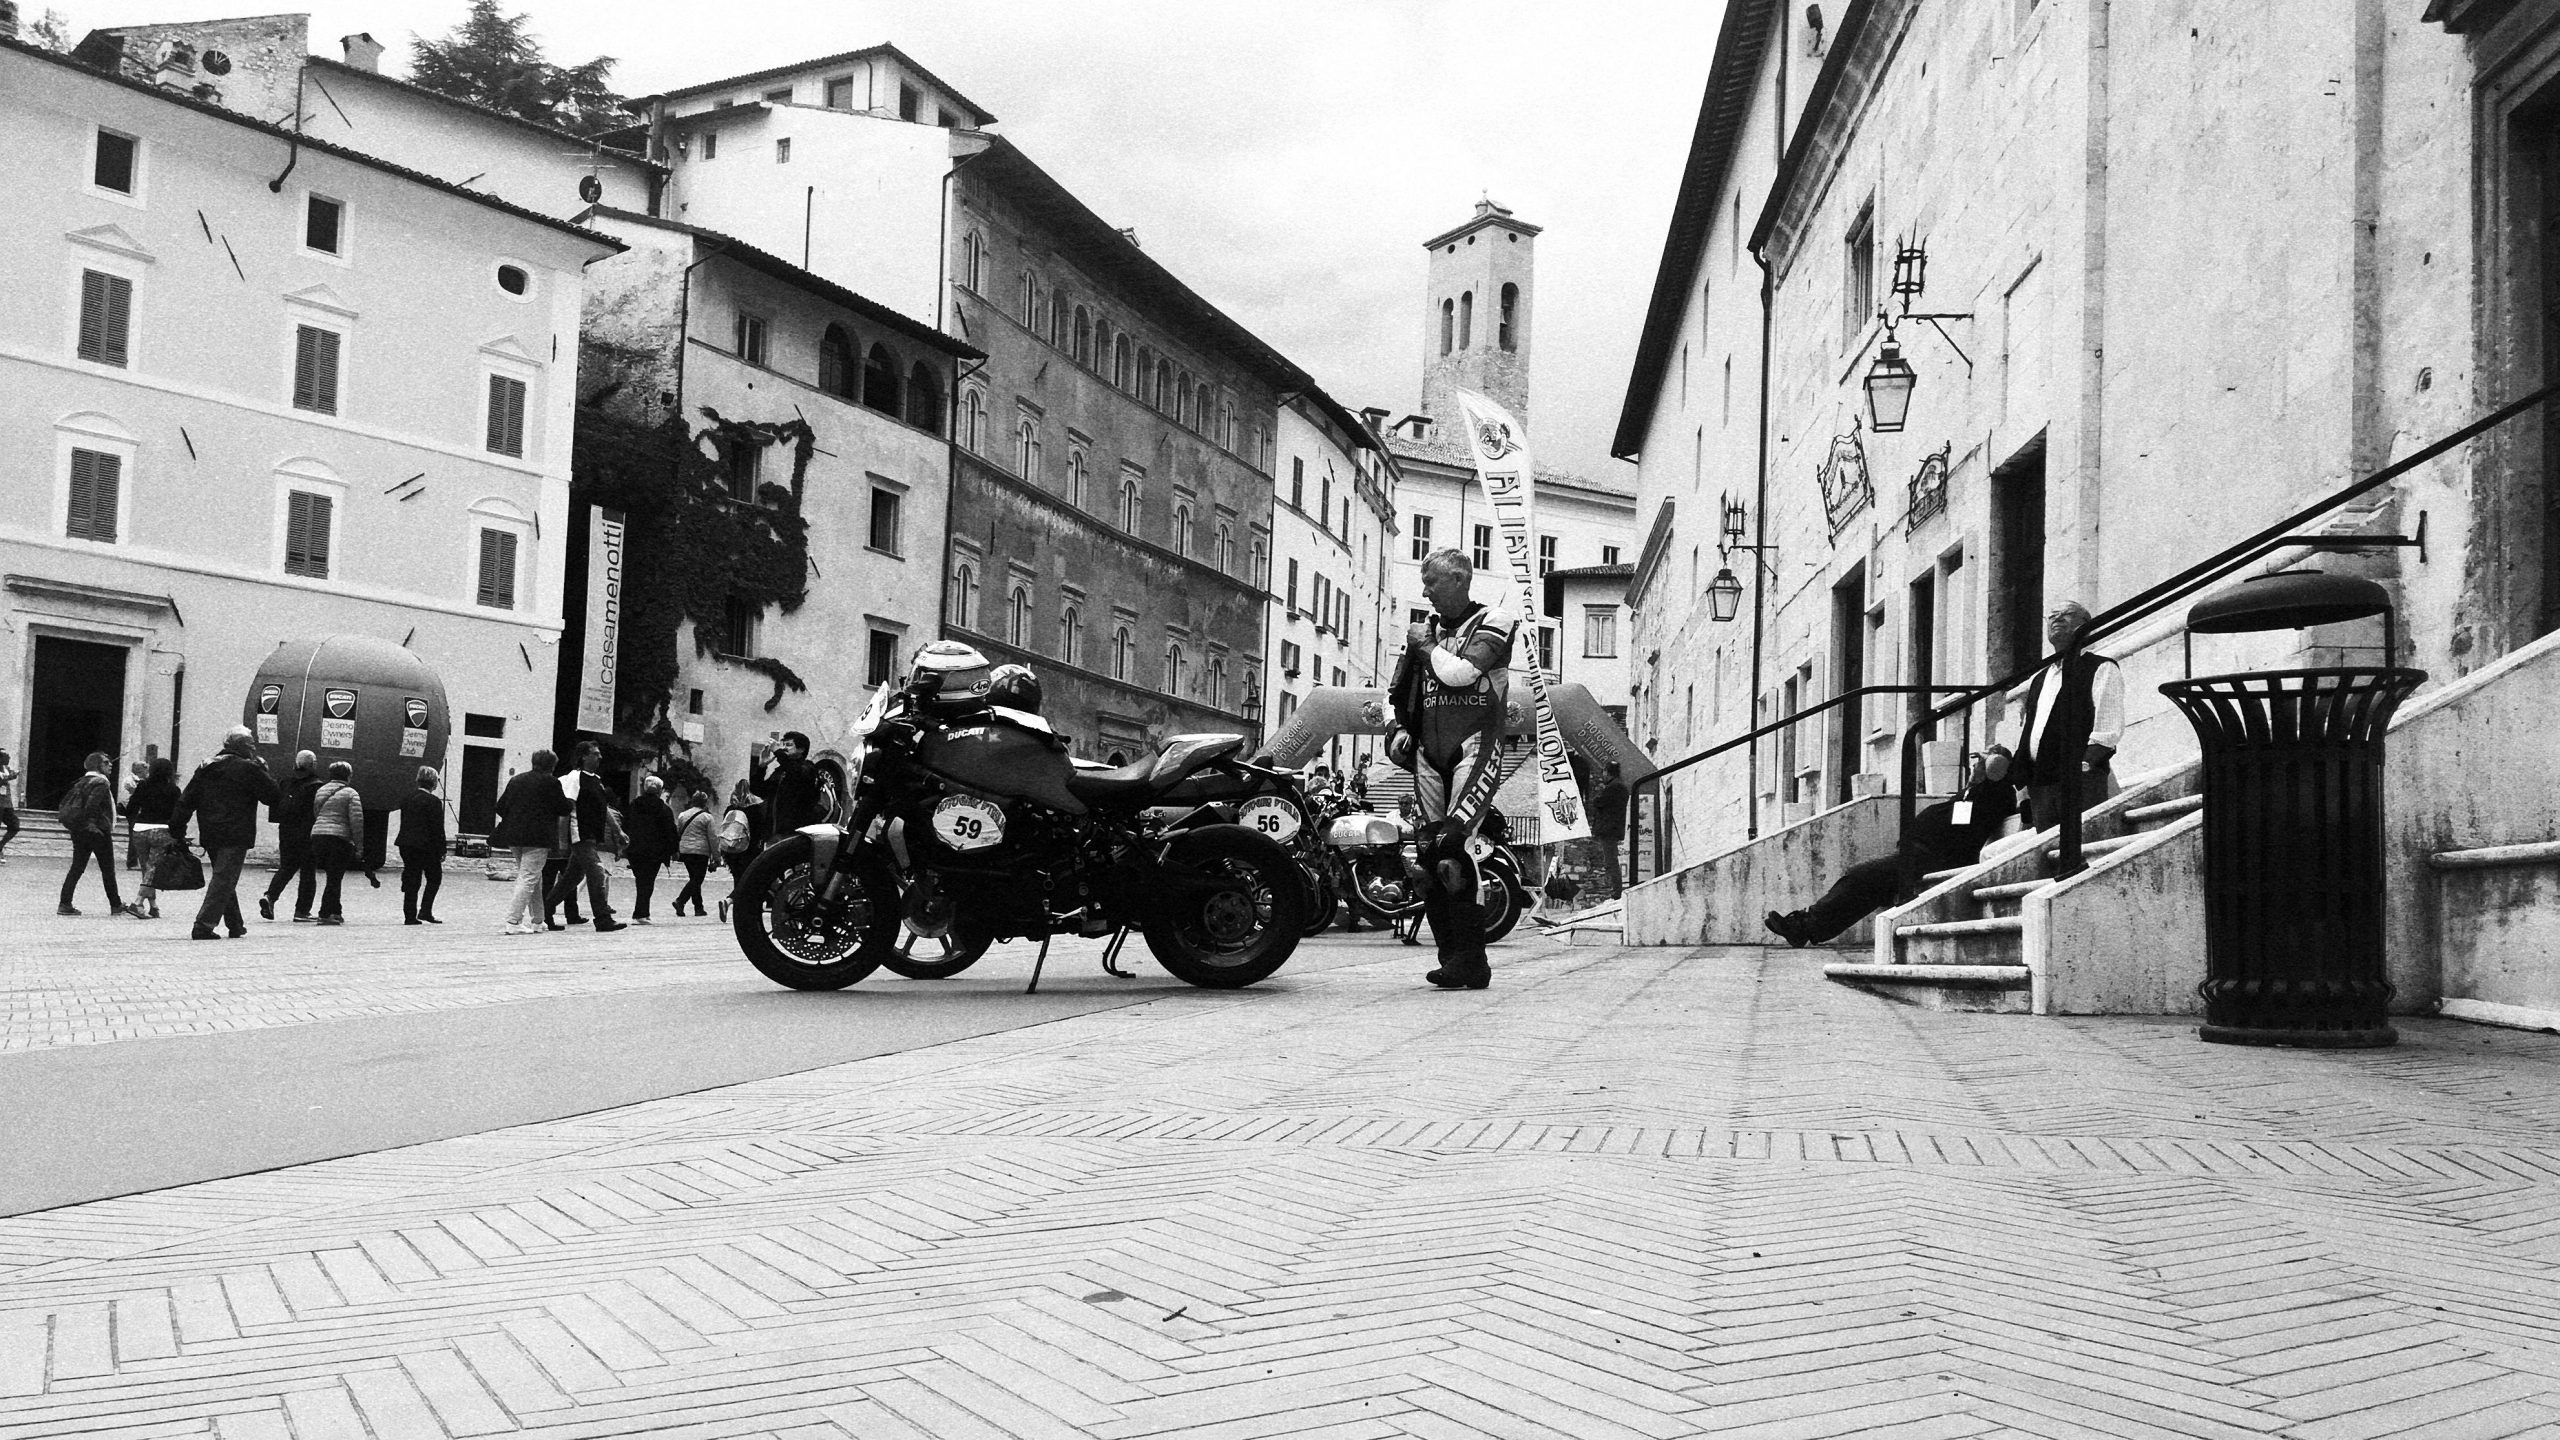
[53, 32]
[490, 60]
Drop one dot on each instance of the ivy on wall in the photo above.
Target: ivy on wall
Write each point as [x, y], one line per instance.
[691, 546]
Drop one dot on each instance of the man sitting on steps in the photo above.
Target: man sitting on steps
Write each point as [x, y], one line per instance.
[1944, 836]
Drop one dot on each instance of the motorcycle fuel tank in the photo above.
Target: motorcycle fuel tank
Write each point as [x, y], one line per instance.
[998, 755]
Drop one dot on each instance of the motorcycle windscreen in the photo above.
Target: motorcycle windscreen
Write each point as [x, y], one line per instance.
[997, 757]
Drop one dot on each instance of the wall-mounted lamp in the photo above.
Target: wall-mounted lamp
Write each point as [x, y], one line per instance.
[1891, 379]
[1736, 518]
[1724, 595]
[1252, 700]
[1889, 383]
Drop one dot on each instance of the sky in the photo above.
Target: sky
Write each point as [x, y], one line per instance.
[1287, 160]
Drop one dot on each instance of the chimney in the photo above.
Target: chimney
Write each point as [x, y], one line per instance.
[176, 69]
[363, 52]
[8, 19]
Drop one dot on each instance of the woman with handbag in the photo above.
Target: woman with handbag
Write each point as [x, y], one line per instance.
[151, 806]
[697, 845]
[741, 836]
[337, 829]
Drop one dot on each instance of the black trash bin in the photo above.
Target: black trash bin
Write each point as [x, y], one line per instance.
[2293, 869]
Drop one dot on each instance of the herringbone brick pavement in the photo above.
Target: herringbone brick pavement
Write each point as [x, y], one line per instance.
[1635, 1193]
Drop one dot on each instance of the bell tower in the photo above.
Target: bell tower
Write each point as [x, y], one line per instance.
[1477, 303]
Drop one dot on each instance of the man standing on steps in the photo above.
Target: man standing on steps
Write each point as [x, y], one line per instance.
[1449, 691]
[583, 788]
[2060, 720]
[1945, 836]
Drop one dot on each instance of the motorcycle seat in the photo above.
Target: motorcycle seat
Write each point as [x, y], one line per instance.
[1133, 781]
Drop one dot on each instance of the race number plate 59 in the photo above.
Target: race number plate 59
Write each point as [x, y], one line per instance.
[1269, 815]
[965, 822]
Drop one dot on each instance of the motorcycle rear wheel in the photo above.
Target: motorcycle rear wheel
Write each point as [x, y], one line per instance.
[1500, 903]
[945, 957]
[1232, 938]
[794, 939]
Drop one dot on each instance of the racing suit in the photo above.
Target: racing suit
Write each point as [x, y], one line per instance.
[1454, 735]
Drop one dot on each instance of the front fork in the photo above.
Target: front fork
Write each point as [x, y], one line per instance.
[834, 857]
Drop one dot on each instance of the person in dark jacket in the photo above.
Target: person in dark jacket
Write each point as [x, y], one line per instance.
[421, 846]
[529, 814]
[653, 843]
[88, 812]
[584, 791]
[1944, 836]
[223, 797]
[148, 810]
[793, 790]
[294, 864]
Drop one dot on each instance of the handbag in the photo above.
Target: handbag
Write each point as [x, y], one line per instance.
[734, 833]
[616, 841]
[178, 869]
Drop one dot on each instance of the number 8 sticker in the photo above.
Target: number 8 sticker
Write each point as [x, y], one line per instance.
[965, 822]
[1269, 815]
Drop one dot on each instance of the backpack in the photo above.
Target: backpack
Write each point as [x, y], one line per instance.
[615, 840]
[735, 833]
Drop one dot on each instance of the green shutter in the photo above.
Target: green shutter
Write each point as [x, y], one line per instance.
[106, 317]
[498, 569]
[315, 369]
[95, 479]
[506, 415]
[306, 535]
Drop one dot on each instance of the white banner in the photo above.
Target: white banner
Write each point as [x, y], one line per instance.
[1500, 446]
[603, 651]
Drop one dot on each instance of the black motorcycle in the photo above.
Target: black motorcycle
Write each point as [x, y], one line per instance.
[1275, 803]
[969, 825]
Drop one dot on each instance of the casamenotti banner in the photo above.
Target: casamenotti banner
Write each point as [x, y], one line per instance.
[604, 623]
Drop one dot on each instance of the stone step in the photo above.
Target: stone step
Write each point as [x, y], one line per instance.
[1993, 941]
[2152, 817]
[2001, 901]
[1988, 989]
[2091, 849]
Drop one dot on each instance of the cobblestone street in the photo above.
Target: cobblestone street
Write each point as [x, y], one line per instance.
[1623, 1193]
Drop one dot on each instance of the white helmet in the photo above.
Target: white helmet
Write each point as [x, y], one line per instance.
[965, 672]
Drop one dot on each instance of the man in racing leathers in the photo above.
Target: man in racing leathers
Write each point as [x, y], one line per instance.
[1450, 688]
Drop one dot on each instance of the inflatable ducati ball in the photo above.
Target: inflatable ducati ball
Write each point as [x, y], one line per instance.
[353, 698]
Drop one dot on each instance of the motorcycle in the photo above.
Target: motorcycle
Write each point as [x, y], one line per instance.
[968, 824]
[1271, 802]
[1378, 869]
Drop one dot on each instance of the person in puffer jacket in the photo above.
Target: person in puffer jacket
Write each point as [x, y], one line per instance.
[337, 835]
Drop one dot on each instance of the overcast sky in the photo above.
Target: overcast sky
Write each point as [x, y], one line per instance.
[1285, 159]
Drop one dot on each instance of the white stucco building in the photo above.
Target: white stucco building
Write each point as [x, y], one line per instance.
[262, 388]
[1333, 535]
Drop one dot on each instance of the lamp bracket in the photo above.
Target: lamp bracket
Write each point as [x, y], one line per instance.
[1933, 317]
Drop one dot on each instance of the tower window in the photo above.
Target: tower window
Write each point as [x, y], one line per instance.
[1508, 333]
[1466, 319]
[1448, 324]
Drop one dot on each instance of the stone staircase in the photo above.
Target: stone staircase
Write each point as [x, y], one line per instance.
[1963, 942]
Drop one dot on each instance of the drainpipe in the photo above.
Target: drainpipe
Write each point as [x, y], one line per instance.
[1760, 481]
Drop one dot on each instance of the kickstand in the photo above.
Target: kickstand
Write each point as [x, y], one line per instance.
[1112, 953]
[1043, 958]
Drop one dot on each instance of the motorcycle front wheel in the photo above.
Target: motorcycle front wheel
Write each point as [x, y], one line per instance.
[796, 938]
[1500, 902]
[1241, 933]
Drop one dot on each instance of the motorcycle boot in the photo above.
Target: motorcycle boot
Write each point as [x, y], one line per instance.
[1457, 920]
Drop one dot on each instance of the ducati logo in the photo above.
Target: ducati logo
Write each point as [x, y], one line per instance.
[270, 698]
[416, 711]
[339, 703]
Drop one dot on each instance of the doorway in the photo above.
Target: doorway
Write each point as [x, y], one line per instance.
[479, 796]
[2016, 621]
[77, 708]
[1922, 624]
[1849, 671]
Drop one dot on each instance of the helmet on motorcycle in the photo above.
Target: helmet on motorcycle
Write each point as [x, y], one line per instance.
[964, 673]
[1015, 687]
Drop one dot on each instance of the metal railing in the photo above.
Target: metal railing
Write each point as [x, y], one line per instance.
[2113, 620]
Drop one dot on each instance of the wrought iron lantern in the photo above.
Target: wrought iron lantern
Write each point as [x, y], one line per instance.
[1889, 383]
[1724, 595]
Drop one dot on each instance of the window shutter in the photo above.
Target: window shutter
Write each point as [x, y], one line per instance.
[498, 569]
[315, 369]
[106, 313]
[306, 535]
[95, 478]
[506, 415]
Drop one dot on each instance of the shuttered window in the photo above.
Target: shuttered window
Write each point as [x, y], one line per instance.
[315, 369]
[96, 477]
[506, 415]
[306, 535]
[498, 569]
[106, 316]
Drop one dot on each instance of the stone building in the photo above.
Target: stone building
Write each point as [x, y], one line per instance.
[2196, 270]
[271, 388]
[1334, 528]
[1111, 489]
[804, 401]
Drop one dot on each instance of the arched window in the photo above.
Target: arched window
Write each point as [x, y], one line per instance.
[1146, 372]
[1124, 652]
[1182, 527]
[1181, 407]
[1448, 324]
[1261, 564]
[1124, 358]
[1030, 300]
[963, 600]
[1466, 319]
[1164, 388]
[973, 261]
[1071, 636]
[973, 420]
[1204, 403]
[1079, 475]
[1173, 667]
[880, 380]
[1129, 505]
[1017, 615]
[1101, 341]
[1509, 332]
[836, 367]
[924, 398]
[1226, 547]
[1217, 689]
[1083, 350]
[1058, 318]
[1026, 446]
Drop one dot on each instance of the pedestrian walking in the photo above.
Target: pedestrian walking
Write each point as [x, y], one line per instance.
[88, 812]
[741, 836]
[223, 797]
[8, 804]
[653, 844]
[294, 865]
[135, 774]
[529, 814]
[589, 825]
[421, 846]
[337, 829]
[697, 845]
[148, 811]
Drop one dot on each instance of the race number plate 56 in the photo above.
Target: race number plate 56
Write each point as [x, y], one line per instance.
[1269, 815]
[965, 822]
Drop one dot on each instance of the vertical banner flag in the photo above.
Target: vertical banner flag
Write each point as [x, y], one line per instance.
[603, 650]
[1502, 464]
